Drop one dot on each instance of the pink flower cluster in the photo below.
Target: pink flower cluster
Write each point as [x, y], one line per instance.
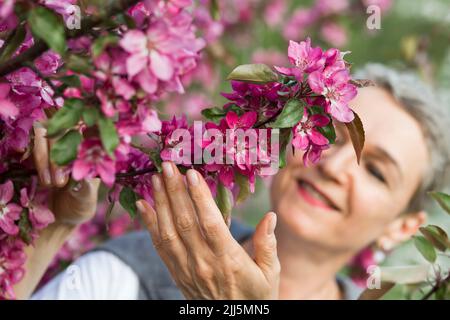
[107, 112]
[8, 19]
[125, 80]
[30, 212]
[327, 76]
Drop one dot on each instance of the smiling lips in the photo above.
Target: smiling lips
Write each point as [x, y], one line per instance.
[314, 196]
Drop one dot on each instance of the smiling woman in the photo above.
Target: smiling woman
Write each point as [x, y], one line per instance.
[325, 214]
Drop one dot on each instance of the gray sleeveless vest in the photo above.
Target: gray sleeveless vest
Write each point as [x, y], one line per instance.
[137, 251]
[155, 283]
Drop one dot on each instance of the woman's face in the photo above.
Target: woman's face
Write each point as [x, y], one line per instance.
[339, 205]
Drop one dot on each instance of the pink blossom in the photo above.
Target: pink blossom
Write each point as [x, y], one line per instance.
[38, 211]
[334, 34]
[328, 7]
[7, 109]
[93, 161]
[337, 90]
[6, 8]
[9, 212]
[246, 121]
[274, 12]
[305, 59]
[26, 82]
[296, 25]
[256, 97]
[306, 133]
[12, 259]
[65, 8]
[313, 153]
[158, 57]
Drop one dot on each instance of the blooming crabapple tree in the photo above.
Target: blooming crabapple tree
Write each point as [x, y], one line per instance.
[95, 88]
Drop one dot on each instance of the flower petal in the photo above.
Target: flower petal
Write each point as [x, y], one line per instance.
[161, 66]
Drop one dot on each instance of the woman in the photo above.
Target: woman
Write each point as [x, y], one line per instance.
[322, 215]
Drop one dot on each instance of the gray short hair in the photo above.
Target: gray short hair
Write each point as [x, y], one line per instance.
[423, 103]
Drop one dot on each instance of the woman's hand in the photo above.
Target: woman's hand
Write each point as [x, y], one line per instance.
[190, 235]
[71, 202]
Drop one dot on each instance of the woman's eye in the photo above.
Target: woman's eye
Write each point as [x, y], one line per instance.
[375, 172]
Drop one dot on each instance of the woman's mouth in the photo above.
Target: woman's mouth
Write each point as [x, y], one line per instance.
[314, 197]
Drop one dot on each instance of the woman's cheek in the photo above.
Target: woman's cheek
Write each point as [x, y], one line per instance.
[370, 209]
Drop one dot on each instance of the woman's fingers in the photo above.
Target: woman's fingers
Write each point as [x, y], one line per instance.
[265, 246]
[168, 238]
[40, 155]
[183, 211]
[210, 218]
[49, 173]
[150, 220]
[171, 251]
[59, 175]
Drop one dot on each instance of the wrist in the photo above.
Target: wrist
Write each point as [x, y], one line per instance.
[56, 233]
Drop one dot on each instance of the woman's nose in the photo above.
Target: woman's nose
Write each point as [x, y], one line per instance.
[337, 163]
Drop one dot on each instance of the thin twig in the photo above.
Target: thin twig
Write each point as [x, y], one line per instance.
[436, 287]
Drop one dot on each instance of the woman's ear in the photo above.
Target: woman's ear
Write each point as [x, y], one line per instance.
[401, 229]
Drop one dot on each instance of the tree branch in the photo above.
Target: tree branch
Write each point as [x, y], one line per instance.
[40, 46]
[436, 287]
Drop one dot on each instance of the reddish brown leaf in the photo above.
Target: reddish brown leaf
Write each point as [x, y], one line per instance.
[356, 132]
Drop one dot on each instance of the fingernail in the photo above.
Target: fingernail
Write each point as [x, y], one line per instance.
[140, 206]
[167, 169]
[46, 179]
[59, 177]
[192, 177]
[272, 224]
[156, 183]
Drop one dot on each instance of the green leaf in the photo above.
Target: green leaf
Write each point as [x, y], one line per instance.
[49, 27]
[127, 200]
[357, 136]
[214, 114]
[291, 114]
[285, 135]
[436, 236]
[90, 116]
[66, 117]
[125, 19]
[71, 81]
[235, 109]
[108, 135]
[65, 149]
[316, 110]
[101, 43]
[214, 9]
[329, 132]
[155, 156]
[425, 248]
[13, 43]
[443, 200]
[255, 73]
[79, 64]
[224, 201]
[244, 187]
[25, 227]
